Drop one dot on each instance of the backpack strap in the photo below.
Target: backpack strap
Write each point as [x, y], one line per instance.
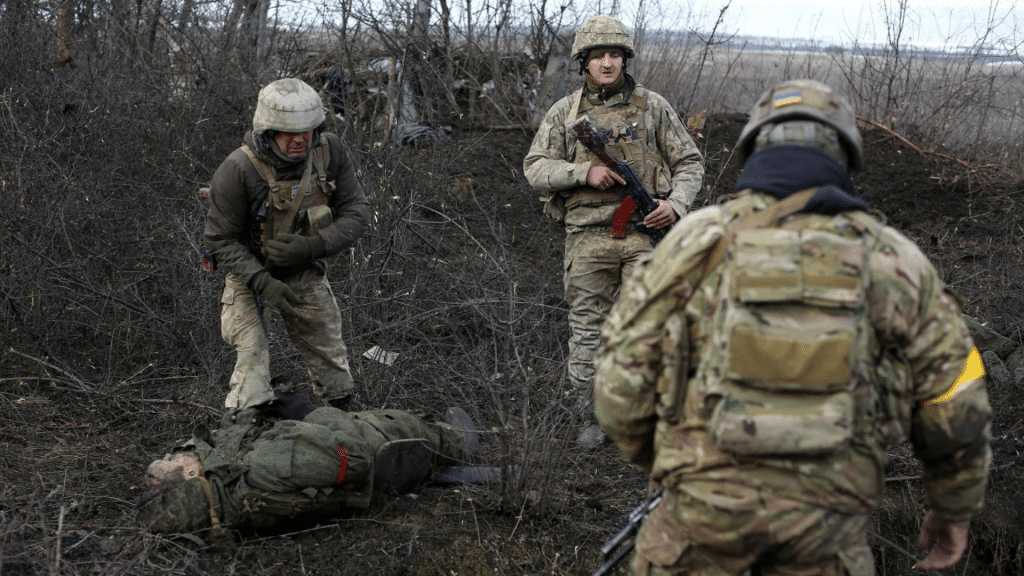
[785, 207]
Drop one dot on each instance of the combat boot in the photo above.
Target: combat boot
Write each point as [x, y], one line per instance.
[461, 422]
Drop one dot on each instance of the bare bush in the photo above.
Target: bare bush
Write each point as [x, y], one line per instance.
[110, 325]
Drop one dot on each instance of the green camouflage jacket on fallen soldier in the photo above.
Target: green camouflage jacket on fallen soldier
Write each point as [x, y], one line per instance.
[557, 162]
[259, 472]
[913, 316]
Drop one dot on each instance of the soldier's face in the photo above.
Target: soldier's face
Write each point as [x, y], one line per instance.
[181, 465]
[606, 67]
[293, 144]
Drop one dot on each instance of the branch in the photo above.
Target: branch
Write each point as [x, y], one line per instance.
[923, 152]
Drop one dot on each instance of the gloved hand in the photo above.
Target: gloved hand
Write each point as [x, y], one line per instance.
[293, 251]
[291, 404]
[276, 293]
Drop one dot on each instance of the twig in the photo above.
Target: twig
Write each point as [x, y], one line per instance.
[85, 387]
[60, 533]
[920, 150]
[901, 550]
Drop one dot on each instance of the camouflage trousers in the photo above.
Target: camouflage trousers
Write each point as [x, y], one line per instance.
[722, 529]
[316, 334]
[594, 268]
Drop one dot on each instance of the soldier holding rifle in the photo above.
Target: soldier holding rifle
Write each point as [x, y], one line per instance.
[639, 129]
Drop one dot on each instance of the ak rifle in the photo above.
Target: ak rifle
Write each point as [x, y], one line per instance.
[595, 139]
[616, 549]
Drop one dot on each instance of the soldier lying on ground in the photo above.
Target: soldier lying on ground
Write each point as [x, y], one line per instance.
[261, 468]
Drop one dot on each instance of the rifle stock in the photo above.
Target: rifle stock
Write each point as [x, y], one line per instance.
[616, 549]
[595, 141]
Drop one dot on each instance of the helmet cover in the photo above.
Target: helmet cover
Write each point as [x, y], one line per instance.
[601, 32]
[804, 100]
[288, 105]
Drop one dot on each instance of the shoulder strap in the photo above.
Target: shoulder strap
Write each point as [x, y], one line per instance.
[638, 97]
[321, 160]
[574, 108]
[265, 170]
[785, 207]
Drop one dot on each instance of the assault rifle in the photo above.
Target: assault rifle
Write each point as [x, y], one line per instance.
[614, 551]
[594, 139]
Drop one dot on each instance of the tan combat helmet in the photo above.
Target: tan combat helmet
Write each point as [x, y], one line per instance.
[288, 105]
[795, 102]
[601, 32]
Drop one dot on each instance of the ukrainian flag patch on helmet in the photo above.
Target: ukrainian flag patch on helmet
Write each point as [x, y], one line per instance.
[974, 368]
[787, 98]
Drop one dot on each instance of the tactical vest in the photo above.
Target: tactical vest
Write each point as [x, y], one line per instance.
[627, 137]
[286, 198]
[787, 369]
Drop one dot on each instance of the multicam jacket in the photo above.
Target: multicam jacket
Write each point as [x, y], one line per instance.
[237, 193]
[927, 382]
[645, 132]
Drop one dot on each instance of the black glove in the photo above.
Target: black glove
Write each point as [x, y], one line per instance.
[294, 252]
[291, 404]
[276, 293]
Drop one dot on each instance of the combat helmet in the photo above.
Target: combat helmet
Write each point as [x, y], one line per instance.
[288, 105]
[186, 507]
[805, 100]
[601, 32]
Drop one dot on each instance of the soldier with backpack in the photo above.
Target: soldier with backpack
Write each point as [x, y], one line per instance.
[764, 357]
[287, 198]
[302, 463]
[603, 242]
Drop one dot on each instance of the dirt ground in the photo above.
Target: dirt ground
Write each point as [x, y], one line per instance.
[71, 461]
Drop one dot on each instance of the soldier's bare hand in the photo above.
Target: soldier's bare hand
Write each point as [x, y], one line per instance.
[662, 216]
[944, 541]
[603, 177]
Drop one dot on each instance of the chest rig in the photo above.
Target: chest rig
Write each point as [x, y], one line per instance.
[288, 200]
[627, 141]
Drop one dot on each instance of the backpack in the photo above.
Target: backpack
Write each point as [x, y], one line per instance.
[790, 335]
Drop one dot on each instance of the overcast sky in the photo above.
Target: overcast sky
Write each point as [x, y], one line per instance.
[928, 23]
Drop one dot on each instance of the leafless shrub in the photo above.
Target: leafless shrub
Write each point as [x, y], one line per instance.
[102, 300]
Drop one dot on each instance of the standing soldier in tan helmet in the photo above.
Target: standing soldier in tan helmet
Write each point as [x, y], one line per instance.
[763, 358]
[585, 195]
[279, 204]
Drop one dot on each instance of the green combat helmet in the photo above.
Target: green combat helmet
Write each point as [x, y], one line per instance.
[188, 507]
[601, 32]
[288, 105]
[804, 112]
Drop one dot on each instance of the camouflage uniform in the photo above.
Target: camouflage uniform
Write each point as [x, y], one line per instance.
[257, 473]
[646, 133]
[233, 235]
[663, 390]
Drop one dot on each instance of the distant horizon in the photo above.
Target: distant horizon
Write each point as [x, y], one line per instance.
[927, 24]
